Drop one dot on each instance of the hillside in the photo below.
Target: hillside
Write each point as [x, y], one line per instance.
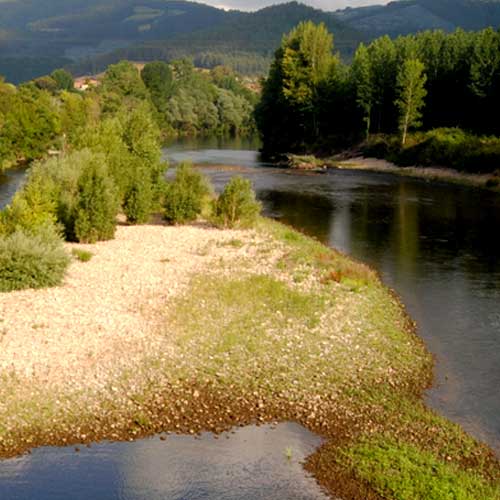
[95, 34]
[245, 42]
[36, 37]
[410, 16]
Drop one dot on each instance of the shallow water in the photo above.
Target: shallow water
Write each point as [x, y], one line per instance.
[252, 463]
[437, 244]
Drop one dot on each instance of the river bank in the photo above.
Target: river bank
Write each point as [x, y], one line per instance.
[490, 182]
[185, 329]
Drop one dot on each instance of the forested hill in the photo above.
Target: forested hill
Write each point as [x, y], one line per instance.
[37, 36]
[245, 42]
[410, 16]
[149, 29]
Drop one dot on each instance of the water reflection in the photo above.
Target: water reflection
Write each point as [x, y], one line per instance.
[437, 244]
[249, 464]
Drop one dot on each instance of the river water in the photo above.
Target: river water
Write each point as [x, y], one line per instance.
[437, 245]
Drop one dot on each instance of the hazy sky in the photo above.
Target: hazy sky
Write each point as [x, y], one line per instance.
[320, 4]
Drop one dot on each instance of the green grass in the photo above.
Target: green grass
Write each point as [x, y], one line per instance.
[402, 472]
[82, 255]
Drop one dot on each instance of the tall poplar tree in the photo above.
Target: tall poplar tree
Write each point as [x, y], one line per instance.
[411, 95]
[362, 79]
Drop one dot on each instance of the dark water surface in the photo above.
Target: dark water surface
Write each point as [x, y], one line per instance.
[437, 244]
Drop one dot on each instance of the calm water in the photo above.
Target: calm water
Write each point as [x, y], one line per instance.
[250, 464]
[438, 245]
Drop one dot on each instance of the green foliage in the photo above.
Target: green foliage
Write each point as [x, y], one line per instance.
[31, 208]
[46, 83]
[30, 123]
[157, 77]
[121, 85]
[383, 92]
[452, 148]
[63, 79]
[185, 195]
[31, 259]
[362, 80]
[411, 94]
[138, 198]
[403, 472]
[292, 95]
[77, 112]
[81, 255]
[97, 205]
[237, 206]
[307, 62]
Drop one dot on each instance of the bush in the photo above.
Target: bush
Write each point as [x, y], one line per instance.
[185, 195]
[138, 196]
[236, 206]
[97, 205]
[32, 259]
[448, 147]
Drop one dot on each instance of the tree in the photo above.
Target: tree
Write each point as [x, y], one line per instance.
[287, 115]
[411, 90]
[307, 63]
[63, 79]
[157, 77]
[383, 66]
[97, 205]
[362, 79]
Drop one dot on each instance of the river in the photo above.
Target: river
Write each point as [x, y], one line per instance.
[437, 245]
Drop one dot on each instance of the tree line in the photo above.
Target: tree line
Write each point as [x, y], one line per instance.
[447, 85]
[47, 113]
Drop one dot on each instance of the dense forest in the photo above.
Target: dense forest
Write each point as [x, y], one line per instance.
[47, 113]
[447, 85]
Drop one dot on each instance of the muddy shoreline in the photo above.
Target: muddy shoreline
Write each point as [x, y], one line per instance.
[186, 394]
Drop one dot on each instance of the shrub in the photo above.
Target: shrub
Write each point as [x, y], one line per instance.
[32, 259]
[185, 195]
[82, 255]
[237, 206]
[97, 205]
[138, 196]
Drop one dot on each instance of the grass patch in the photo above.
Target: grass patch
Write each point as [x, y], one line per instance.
[402, 472]
[81, 255]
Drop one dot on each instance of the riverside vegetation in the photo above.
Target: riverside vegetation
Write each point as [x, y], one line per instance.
[448, 84]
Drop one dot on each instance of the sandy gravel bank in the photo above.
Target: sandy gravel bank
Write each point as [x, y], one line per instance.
[109, 313]
[430, 173]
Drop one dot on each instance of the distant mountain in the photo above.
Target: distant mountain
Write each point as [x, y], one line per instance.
[95, 33]
[38, 35]
[410, 16]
